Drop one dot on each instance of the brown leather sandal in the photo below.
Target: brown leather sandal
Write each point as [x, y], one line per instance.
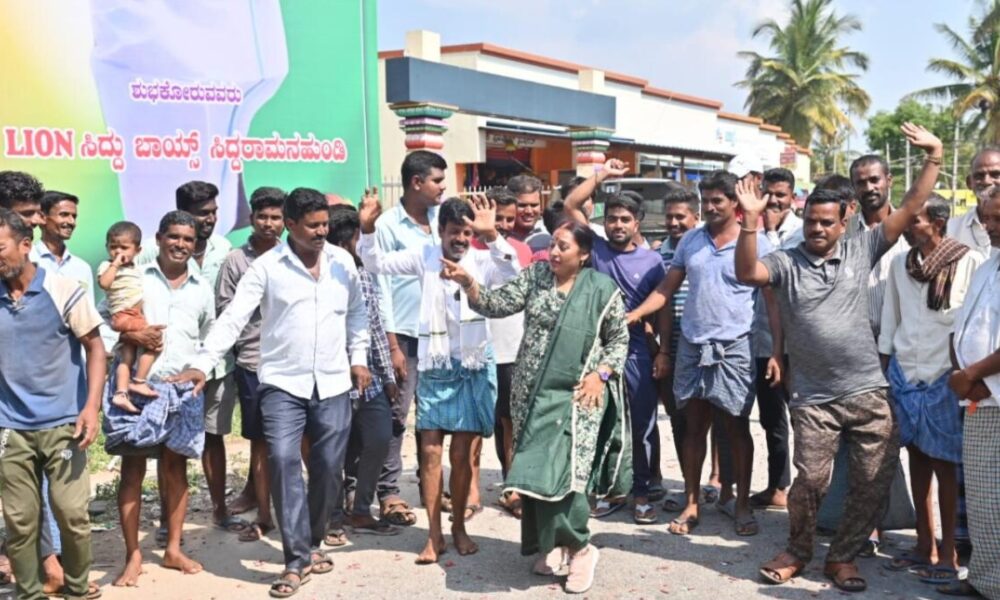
[845, 576]
[781, 568]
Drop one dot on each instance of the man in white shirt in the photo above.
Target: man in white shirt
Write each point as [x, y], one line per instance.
[313, 346]
[975, 342]
[179, 307]
[969, 228]
[200, 200]
[925, 289]
[456, 389]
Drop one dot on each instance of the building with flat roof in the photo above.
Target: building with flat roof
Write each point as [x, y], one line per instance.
[494, 112]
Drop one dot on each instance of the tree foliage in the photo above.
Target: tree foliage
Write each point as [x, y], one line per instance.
[806, 84]
[974, 94]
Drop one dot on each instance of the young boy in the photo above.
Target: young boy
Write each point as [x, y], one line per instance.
[122, 282]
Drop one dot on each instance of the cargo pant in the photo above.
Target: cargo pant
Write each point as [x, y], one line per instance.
[24, 456]
[865, 422]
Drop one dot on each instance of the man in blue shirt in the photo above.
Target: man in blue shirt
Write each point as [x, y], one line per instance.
[637, 272]
[48, 411]
[714, 370]
[410, 225]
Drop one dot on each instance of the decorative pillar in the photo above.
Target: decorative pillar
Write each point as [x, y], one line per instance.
[589, 145]
[424, 124]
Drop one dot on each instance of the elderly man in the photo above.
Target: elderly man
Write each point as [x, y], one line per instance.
[977, 381]
[926, 287]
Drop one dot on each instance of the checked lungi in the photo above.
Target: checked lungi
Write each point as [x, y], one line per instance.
[981, 454]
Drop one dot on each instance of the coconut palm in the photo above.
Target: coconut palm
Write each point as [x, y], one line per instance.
[975, 73]
[805, 85]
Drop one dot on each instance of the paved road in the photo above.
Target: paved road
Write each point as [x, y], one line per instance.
[636, 561]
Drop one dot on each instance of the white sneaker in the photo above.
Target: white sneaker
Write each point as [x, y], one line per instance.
[553, 563]
[582, 567]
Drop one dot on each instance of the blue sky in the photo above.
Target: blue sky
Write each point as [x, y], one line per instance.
[685, 45]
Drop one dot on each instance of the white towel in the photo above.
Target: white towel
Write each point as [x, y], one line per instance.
[434, 343]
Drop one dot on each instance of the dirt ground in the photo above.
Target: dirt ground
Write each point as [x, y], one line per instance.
[637, 561]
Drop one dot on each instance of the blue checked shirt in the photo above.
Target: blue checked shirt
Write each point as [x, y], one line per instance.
[379, 360]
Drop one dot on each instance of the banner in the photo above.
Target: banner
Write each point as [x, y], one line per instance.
[119, 102]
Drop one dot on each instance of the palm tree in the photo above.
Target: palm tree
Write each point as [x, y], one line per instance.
[804, 87]
[975, 73]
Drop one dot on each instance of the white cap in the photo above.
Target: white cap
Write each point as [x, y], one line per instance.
[744, 164]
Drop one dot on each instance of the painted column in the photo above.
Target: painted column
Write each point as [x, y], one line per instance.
[424, 124]
[589, 145]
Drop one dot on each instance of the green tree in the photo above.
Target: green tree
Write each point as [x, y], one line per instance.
[975, 73]
[805, 85]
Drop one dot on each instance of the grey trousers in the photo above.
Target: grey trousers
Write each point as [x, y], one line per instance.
[303, 514]
[388, 481]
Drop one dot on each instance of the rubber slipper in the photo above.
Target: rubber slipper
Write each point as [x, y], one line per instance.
[321, 563]
[255, 532]
[905, 562]
[675, 525]
[376, 528]
[644, 514]
[727, 508]
[233, 524]
[747, 526]
[470, 512]
[293, 585]
[710, 494]
[936, 575]
[335, 537]
[604, 508]
[959, 588]
[675, 502]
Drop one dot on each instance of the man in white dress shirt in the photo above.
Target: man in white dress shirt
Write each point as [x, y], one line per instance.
[969, 228]
[313, 347]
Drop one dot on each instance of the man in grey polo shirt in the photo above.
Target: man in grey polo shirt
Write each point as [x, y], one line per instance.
[837, 383]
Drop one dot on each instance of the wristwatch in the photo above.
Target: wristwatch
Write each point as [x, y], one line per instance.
[604, 375]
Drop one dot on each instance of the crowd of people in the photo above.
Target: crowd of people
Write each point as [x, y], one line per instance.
[871, 326]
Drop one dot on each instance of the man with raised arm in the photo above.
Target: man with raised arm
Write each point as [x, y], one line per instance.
[837, 385]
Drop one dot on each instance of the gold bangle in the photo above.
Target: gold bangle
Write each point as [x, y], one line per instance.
[935, 160]
[746, 230]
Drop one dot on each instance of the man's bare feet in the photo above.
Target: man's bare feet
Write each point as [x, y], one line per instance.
[769, 499]
[181, 562]
[142, 388]
[129, 576]
[121, 400]
[434, 548]
[463, 543]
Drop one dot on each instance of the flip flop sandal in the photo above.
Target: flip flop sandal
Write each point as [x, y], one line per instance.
[335, 538]
[293, 585]
[399, 513]
[845, 576]
[470, 512]
[321, 563]
[690, 523]
[905, 562]
[93, 592]
[513, 507]
[381, 528]
[604, 508]
[233, 524]
[759, 501]
[747, 526]
[959, 588]
[161, 537]
[644, 514]
[936, 575]
[710, 494]
[255, 532]
[446, 502]
[675, 502]
[656, 493]
[781, 569]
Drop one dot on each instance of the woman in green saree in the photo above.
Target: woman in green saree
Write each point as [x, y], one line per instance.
[571, 430]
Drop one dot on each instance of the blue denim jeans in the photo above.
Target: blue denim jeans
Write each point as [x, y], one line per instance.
[302, 514]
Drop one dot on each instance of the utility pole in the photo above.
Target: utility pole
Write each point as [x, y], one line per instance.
[907, 164]
[954, 173]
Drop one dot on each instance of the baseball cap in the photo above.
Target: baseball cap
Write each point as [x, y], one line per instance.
[744, 164]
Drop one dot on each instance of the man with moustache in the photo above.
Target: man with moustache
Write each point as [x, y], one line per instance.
[457, 383]
[313, 350]
[199, 199]
[637, 272]
[838, 389]
[48, 415]
[968, 228]
[267, 222]
[174, 296]
[410, 225]
[714, 369]
[528, 227]
[976, 379]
